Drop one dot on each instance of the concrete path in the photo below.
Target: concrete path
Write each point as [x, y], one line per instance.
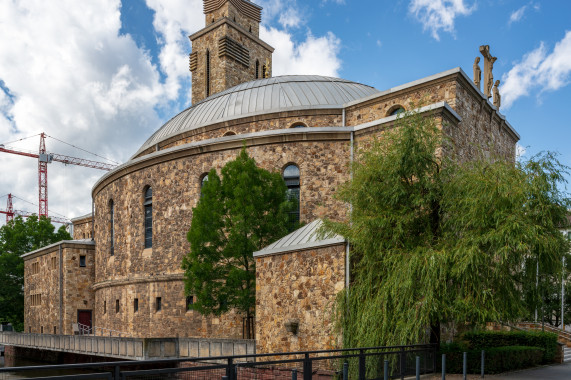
[561, 371]
[551, 372]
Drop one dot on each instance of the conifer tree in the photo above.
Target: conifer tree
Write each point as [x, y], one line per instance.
[239, 212]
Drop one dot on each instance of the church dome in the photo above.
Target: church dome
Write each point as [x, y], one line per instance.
[263, 96]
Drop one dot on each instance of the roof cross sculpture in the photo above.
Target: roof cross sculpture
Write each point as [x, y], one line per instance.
[488, 67]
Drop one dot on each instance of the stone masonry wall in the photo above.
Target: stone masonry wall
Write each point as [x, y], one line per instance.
[176, 190]
[225, 72]
[229, 10]
[82, 229]
[480, 130]
[298, 286]
[76, 283]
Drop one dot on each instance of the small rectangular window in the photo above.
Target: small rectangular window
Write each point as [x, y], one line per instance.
[136, 305]
[189, 302]
[116, 306]
[104, 307]
[41, 329]
[55, 330]
[82, 261]
[158, 304]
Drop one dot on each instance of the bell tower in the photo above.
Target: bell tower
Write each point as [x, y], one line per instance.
[228, 50]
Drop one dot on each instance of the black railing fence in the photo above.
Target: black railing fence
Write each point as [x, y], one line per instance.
[395, 362]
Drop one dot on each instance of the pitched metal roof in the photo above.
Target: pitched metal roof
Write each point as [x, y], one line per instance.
[306, 237]
[269, 95]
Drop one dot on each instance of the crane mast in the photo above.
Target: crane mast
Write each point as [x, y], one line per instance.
[45, 158]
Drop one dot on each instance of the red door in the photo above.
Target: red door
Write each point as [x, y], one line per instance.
[84, 318]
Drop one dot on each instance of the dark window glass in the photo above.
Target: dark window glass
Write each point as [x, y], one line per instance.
[207, 73]
[397, 111]
[257, 69]
[148, 204]
[104, 307]
[112, 227]
[189, 302]
[116, 306]
[158, 304]
[291, 178]
[55, 330]
[136, 305]
[298, 125]
[81, 261]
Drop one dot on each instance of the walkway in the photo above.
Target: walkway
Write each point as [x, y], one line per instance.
[551, 372]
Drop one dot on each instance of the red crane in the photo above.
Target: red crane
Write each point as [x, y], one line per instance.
[45, 158]
[10, 213]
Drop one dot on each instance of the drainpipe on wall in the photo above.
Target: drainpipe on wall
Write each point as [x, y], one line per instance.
[92, 220]
[60, 290]
[347, 250]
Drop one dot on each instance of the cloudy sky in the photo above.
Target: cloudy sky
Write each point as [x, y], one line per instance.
[104, 74]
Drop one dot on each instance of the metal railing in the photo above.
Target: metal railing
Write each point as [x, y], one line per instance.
[394, 362]
[88, 330]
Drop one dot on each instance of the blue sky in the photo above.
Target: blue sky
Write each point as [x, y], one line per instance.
[105, 74]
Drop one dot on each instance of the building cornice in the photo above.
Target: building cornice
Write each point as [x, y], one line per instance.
[277, 136]
[232, 24]
[90, 244]
[138, 280]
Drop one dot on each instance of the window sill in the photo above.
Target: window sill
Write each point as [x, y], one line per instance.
[147, 252]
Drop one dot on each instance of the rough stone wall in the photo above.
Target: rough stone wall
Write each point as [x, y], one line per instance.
[229, 10]
[77, 283]
[251, 125]
[225, 72]
[77, 292]
[298, 286]
[172, 320]
[82, 229]
[176, 190]
[45, 283]
[481, 129]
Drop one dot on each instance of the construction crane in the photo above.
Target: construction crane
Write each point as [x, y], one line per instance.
[10, 213]
[45, 158]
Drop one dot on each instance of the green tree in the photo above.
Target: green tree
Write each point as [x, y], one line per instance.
[437, 240]
[17, 237]
[238, 213]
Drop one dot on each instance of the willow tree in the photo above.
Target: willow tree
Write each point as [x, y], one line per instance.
[242, 211]
[438, 240]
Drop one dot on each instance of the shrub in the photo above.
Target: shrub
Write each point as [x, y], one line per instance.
[497, 359]
[478, 340]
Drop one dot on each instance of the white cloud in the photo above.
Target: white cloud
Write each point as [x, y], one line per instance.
[81, 81]
[72, 75]
[520, 151]
[379, 43]
[290, 18]
[517, 14]
[175, 20]
[539, 71]
[315, 55]
[437, 15]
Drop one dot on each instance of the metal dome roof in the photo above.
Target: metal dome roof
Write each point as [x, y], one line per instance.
[277, 94]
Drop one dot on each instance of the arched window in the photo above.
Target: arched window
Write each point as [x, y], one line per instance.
[229, 133]
[291, 178]
[257, 69]
[207, 73]
[298, 124]
[148, 205]
[111, 227]
[395, 110]
[203, 180]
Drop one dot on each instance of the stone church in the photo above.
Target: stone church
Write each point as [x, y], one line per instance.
[123, 273]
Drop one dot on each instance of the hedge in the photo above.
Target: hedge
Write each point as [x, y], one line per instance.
[497, 359]
[478, 340]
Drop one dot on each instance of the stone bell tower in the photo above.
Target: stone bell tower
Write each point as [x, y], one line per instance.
[228, 51]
